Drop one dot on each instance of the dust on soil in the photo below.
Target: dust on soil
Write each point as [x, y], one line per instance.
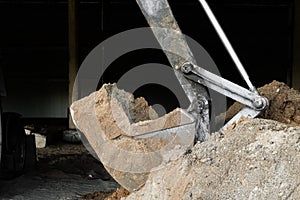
[63, 171]
[70, 159]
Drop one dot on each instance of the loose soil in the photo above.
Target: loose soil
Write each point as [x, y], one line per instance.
[117, 195]
[256, 159]
[284, 104]
[63, 171]
[259, 159]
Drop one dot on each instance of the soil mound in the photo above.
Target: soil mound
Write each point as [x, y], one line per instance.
[259, 159]
[284, 103]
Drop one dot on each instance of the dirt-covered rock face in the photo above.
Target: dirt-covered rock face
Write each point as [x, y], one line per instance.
[259, 159]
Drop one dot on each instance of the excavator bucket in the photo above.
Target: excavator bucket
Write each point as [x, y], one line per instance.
[127, 135]
[131, 148]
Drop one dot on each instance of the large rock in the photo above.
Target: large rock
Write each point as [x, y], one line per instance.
[259, 159]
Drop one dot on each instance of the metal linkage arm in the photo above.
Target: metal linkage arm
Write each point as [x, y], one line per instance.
[249, 98]
[168, 34]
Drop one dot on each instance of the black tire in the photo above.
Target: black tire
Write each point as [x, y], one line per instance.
[13, 146]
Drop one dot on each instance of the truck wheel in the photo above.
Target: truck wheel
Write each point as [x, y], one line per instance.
[13, 146]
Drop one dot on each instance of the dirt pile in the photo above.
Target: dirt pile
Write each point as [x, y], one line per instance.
[95, 196]
[117, 195]
[284, 103]
[259, 159]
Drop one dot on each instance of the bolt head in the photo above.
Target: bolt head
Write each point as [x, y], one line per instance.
[187, 68]
[258, 103]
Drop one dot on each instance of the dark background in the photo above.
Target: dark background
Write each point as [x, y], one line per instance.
[35, 54]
